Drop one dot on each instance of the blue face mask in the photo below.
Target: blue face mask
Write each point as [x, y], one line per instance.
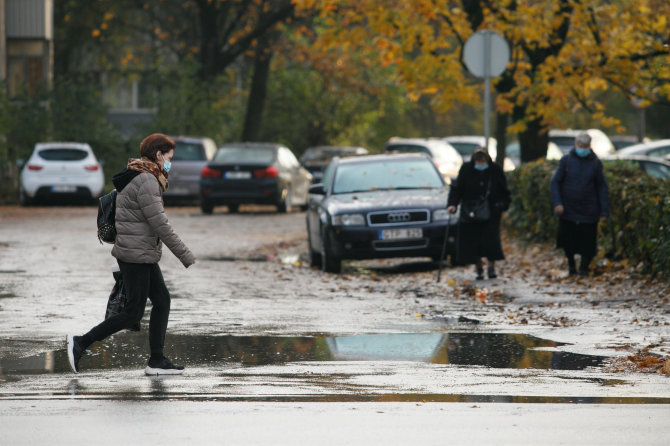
[166, 165]
[481, 166]
[582, 153]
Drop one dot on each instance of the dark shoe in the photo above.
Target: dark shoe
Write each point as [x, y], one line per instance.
[163, 366]
[583, 272]
[480, 274]
[572, 272]
[492, 273]
[74, 352]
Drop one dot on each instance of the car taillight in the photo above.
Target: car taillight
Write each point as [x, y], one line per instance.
[210, 173]
[92, 167]
[269, 172]
[34, 167]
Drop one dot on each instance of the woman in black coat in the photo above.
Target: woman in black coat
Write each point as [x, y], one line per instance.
[480, 179]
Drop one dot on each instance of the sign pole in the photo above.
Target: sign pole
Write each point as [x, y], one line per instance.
[487, 89]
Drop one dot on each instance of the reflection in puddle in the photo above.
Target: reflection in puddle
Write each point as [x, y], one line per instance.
[495, 350]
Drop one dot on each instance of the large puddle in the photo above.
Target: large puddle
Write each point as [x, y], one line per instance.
[494, 350]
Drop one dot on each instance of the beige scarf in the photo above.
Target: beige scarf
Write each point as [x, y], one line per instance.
[144, 164]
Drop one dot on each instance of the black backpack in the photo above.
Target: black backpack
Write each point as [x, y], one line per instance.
[107, 217]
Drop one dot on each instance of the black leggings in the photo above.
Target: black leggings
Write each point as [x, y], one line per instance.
[142, 281]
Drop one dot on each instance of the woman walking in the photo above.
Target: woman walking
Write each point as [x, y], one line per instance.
[142, 227]
[480, 181]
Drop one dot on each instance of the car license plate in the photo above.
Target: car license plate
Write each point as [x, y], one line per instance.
[399, 234]
[64, 188]
[237, 175]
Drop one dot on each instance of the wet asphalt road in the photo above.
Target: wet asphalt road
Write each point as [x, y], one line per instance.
[264, 337]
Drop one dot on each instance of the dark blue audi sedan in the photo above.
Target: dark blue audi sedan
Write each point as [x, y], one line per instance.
[378, 206]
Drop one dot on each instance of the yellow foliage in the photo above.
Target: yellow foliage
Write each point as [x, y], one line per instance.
[553, 73]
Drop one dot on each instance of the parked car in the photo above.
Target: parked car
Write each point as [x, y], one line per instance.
[655, 167]
[513, 152]
[623, 141]
[191, 155]
[446, 158]
[58, 170]
[378, 206]
[254, 173]
[565, 140]
[315, 159]
[467, 144]
[658, 149]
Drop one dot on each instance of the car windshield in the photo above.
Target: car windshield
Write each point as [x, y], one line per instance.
[63, 154]
[386, 175]
[189, 152]
[245, 155]
[464, 148]
[657, 170]
[564, 142]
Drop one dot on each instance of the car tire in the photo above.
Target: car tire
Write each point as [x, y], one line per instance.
[330, 263]
[314, 255]
[206, 207]
[24, 199]
[233, 208]
[285, 205]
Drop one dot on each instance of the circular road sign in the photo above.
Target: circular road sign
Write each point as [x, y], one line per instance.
[486, 53]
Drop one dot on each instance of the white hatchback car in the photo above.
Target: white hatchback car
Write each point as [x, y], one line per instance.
[61, 170]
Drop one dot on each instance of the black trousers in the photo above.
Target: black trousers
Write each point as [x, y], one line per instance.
[142, 280]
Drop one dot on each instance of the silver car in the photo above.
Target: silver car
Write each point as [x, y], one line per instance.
[191, 155]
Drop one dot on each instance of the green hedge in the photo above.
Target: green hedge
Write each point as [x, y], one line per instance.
[639, 225]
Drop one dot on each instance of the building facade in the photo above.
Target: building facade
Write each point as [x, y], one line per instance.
[26, 45]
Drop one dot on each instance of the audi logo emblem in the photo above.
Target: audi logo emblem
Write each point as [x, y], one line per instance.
[398, 217]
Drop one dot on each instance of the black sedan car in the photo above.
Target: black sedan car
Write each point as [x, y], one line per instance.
[253, 173]
[378, 206]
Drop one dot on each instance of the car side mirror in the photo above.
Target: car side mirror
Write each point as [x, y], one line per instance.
[317, 189]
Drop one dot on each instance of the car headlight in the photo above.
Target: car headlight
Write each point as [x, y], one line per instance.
[348, 220]
[440, 214]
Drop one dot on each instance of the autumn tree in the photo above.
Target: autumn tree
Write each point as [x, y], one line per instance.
[138, 36]
[564, 52]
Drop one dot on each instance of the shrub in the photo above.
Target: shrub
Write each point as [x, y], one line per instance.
[639, 225]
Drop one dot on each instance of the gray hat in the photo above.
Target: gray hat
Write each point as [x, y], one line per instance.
[583, 139]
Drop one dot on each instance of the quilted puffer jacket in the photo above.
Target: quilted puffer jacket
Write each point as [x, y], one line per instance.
[141, 224]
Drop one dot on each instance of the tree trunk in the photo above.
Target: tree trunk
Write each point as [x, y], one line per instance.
[257, 94]
[533, 141]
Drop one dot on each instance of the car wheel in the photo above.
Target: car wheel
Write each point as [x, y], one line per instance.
[329, 261]
[285, 204]
[24, 199]
[314, 255]
[233, 208]
[206, 207]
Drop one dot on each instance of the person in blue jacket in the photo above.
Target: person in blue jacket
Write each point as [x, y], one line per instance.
[580, 197]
